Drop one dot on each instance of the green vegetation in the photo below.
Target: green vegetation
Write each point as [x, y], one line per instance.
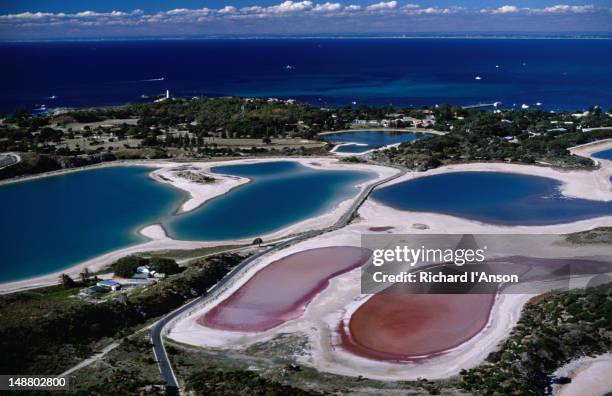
[274, 361]
[596, 235]
[352, 160]
[221, 382]
[47, 330]
[229, 127]
[552, 331]
[525, 136]
[164, 265]
[196, 177]
[125, 267]
[129, 369]
[179, 254]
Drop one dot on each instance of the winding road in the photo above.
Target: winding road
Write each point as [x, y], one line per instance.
[159, 329]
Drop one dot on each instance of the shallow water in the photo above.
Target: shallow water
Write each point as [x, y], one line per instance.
[54, 222]
[283, 289]
[280, 193]
[605, 154]
[367, 140]
[491, 197]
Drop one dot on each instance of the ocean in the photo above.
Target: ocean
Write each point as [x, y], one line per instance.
[560, 74]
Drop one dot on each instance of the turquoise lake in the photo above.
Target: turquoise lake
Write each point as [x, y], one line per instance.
[495, 198]
[605, 154]
[281, 193]
[55, 222]
[368, 140]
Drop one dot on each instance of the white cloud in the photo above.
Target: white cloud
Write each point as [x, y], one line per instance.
[564, 9]
[383, 5]
[228, 10]
[289, 6]
[327, 7]
[507, 9]
[556, 9]
[284, 9]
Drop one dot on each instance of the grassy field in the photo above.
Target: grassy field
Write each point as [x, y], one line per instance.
[273, 361]
[275, 143]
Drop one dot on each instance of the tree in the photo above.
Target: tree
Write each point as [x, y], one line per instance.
[257, 241]
[66, 281]
[125, 267]
[85, 275]
[164, 265]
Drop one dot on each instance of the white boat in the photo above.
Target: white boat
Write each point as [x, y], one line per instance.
[477, 78]
[524, 106]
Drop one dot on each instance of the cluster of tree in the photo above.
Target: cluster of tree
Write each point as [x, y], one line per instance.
[39, 335]
[550, 333]
[484, 136]
[525, 136]
[213, 382]
[32, 164]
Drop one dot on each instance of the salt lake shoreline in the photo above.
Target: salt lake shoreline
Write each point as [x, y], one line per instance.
[198, 194]
[326, 310]
[577, 184]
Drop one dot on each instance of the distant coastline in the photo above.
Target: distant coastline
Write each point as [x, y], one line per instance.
[383, 36]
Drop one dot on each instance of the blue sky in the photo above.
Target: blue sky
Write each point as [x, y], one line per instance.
[45, 19]
[17, 6]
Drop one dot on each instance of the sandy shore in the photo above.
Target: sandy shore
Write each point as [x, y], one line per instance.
[406, 130]
[198, 193]
[593, 185]
[590, 376]
[343, 295]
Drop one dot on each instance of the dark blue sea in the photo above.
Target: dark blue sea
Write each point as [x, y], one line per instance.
[560, 74]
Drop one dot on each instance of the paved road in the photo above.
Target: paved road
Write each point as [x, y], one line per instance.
[158, 329]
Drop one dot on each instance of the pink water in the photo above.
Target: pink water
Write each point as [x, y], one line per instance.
[282, 290]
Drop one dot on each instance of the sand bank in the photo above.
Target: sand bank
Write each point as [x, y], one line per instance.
[198, 194]
[593, 185]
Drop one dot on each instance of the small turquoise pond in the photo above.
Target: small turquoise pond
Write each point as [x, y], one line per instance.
[491, 197]
[361, 141]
